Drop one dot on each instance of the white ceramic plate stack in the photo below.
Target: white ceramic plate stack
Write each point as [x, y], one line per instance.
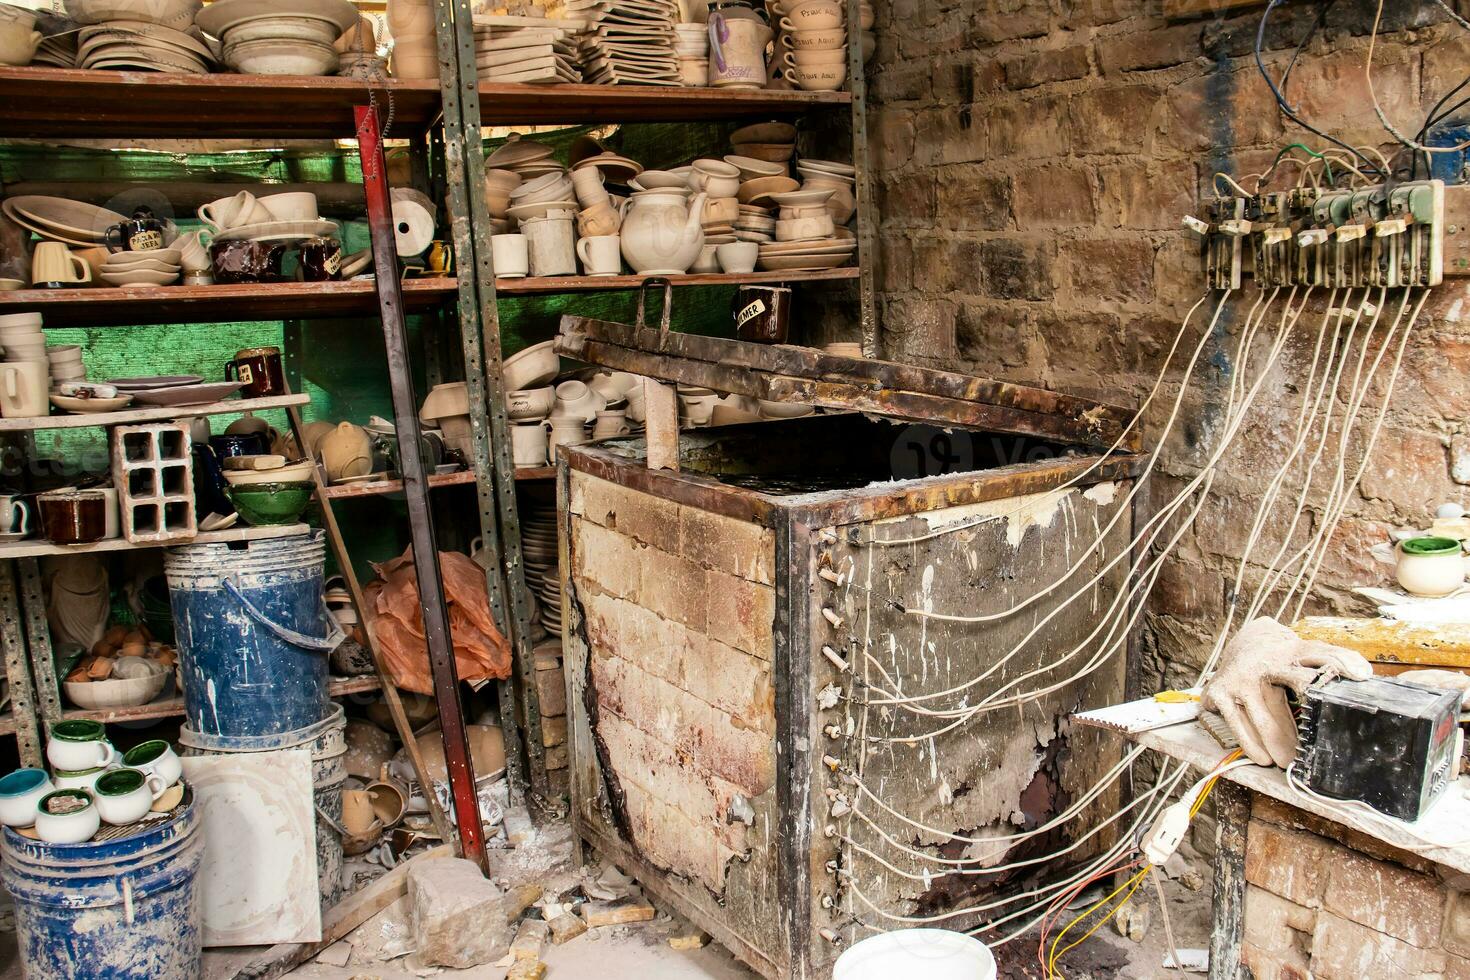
[538, 196]
[829, 175]
[629, 42]
[527, 158]
[806, 237]
[59, 220]
[755, 224]
[539, 549]
[526, 49]
[280, 37]
[128, 45]
[159, 267]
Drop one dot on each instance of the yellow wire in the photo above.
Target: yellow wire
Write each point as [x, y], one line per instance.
[1135, 881]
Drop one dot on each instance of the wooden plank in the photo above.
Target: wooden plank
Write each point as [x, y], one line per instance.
[219, 303]
[173, 707]
[1232, 824]
[570, 284]
[132, 416]
[808, 362]
[502, 104]
[37, 547]
[340, 919]
[379, 488]
[1388, 641]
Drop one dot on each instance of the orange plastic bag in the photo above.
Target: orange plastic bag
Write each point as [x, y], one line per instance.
[480, 651]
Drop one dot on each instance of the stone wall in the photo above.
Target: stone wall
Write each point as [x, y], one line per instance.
[1033, 159]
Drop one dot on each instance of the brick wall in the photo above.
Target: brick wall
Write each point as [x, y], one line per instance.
[1327, 903]
[1033, 159]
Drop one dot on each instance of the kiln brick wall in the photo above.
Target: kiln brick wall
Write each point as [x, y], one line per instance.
[1033, 159]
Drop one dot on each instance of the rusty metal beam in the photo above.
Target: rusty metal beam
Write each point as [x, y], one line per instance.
[416, 490]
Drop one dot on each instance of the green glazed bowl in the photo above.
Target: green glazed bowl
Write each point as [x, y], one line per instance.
[265, 504]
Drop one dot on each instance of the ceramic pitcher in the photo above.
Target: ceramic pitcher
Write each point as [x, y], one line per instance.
[661, 231]
[737, 52]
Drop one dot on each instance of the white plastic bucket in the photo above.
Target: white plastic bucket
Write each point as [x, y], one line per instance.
[934, 954]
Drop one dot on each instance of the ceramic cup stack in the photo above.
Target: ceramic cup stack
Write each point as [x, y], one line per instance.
[839, 178]
[720, 182]
[813, 44]
[691, 47]
[296, 37]
[529, 399]
[498, 185]
[65, 363]
[25, 374]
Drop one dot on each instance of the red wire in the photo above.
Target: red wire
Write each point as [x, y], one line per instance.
[1055, 910]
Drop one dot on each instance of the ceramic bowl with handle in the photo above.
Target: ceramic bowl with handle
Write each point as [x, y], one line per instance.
[156, 757]
[67, 816]
[20, 792]
[79, 744]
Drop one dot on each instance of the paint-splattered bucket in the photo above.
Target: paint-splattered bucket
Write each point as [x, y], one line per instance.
[253, 634]
[123, 909]
[327, 740]
[934, 954]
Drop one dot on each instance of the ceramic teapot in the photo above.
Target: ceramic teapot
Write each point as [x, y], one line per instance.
[347, 451]
[661, 231]
[737, 51]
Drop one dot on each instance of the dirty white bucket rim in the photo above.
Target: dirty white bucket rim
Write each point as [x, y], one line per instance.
[934, 954]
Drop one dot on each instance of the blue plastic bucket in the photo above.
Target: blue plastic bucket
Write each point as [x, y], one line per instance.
[120, 910]
[253, 634]
[327, 740]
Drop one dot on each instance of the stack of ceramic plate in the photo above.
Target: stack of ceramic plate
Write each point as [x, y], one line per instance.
[159, 267]
[755, 224]
[549, 596]
[628, 42]
[280, 37]
[524, 157]
[535, 198]
[526, 49]
[539, 550]
[176, 14]
[129, 45]
[176, 390]
[615, 169]
[820, 253]
[57, 51]
[772, 142]
[60, 220]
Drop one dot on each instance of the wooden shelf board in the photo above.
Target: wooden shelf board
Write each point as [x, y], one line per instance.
[537, 473]
[381, 487]
[65, 103]
[502, 104]
[202, 304]
[174, 707]
[71, 103]
[133, 416]
[572, 284]
[35, 548]
[7, 723]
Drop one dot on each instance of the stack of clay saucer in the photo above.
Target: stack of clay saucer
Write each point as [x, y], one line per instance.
[628, 42]
[806, 236]
[549, 596]
[539, 550]
[159, 267]
[57, 51]
[524, 157]
[539, 196]
[526, 49]
[830, 175]
[772, 142]
[131, 35]
[280, 37]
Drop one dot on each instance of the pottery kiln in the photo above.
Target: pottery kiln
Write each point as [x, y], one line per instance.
[718, 618]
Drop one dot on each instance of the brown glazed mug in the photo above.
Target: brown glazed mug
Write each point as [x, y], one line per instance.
[241, 261]
[260, 369]
[141, 233]
[73, 516]
[762, 314]
[321, 260]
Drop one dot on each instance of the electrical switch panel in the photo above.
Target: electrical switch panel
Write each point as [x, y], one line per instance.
[1384, 235]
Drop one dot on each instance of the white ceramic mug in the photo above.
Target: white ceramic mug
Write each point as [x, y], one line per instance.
[738, 257]
[18, 42]
[54, 262]
[113, 524]
[530, 403]
[565, 432]
[830, 40]
[124, 796]
[817, 78]
[610, 425]
[71, 826]
[812, 15]
[20, 792]
[599, 221]
[157, 758]
[79, 744]
[510, 255]
[528, 442]
[587, 183]
[80, 778]
[601, 256]
[806, 59]
[551, 243]
[295, 206]
[193, 253]
[14, 516]
[23, 386]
